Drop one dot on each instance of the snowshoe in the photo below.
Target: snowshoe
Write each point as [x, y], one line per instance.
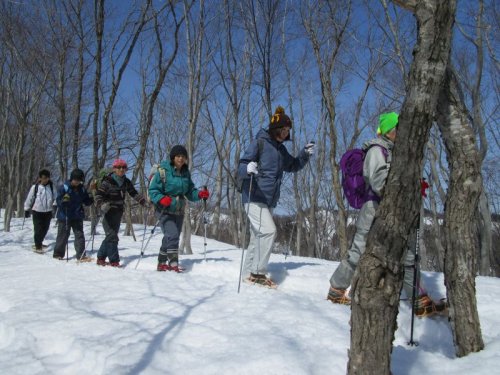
[163, 267]
[261, 280]
[85, 259]
[101, 262]
[426, 307]
[338, 296]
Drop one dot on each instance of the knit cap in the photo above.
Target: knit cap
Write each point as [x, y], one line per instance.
[178, 150]
[387, 122]
[120, 163]
[280, 119]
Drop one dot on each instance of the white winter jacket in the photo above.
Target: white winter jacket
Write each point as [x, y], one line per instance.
[44, 199]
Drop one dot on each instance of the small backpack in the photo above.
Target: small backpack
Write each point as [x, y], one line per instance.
[239, 180]
[36, 192]
[163, 177]
[353, 183]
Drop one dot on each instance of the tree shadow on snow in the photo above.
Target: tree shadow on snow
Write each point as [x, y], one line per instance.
[279, 270]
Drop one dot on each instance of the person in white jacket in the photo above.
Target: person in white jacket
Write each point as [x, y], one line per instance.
[40, 203]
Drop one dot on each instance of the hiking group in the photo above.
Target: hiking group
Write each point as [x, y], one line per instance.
[260, 173]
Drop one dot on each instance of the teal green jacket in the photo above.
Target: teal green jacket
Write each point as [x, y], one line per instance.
[178, 186]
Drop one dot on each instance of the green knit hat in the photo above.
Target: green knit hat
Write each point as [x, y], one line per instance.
[387, 122]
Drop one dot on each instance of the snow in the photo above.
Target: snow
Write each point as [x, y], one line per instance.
[59, 317]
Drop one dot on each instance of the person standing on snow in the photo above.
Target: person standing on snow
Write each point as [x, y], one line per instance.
[39, 202]
[170, 186]
[261, 170]
[375, 170]
[110, 198]
[71, 197]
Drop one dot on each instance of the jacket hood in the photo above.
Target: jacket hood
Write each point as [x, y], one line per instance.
[381, 141]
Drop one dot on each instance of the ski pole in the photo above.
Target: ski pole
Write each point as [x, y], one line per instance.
[147, 242]
[145, 226]
[205, 222]
[414, 291]
[67, 235]
[93, 227]
[245, 230]
[24, 219]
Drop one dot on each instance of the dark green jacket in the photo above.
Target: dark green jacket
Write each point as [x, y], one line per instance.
[178, 186]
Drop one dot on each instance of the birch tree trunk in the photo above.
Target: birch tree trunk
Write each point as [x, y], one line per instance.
[377, 282]
[460, 242]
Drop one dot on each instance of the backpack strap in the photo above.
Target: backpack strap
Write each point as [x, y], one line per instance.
[260, 147]
[163, 175]
[33, 199]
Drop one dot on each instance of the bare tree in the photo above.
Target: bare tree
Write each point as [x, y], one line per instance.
[326, 23]
[464, 190]
[378, 280]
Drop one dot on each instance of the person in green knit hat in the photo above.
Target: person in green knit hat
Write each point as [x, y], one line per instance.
[169, 188]
[375, 170]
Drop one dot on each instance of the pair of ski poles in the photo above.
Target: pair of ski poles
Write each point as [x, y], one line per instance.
[143, 246]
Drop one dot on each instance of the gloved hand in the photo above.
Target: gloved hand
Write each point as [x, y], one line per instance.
[309, 148]
[142, 201]
[105, 207]
[166, 201]
[27, 214]
[252, 168]
[66, 198]
[203, 194]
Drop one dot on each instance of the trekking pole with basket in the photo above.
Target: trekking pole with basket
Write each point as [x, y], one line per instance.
[245, 229]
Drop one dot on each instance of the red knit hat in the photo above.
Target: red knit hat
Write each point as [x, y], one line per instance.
[119, 163]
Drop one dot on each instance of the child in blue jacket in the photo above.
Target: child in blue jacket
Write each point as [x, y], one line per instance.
[71, 197]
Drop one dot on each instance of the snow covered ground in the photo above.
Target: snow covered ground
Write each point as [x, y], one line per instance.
[59, 317]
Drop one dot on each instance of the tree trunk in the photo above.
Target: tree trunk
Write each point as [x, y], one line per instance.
[464, 190]
[377, 282]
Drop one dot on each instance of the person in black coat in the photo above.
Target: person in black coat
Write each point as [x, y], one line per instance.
[71, 197]
[110, 198]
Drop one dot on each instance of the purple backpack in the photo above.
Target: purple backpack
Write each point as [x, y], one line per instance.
[353, 183]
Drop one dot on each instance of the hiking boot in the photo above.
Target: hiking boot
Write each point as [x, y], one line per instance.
[39, 250]
[57, 257]
[338, 296]
[115, 264]
[261, 280]
[425, 306]
[101, 262]
[85, 259]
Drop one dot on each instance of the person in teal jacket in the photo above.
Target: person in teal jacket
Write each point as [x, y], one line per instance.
[169, 188]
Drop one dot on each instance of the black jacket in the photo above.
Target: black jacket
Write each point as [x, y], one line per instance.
[110, 191]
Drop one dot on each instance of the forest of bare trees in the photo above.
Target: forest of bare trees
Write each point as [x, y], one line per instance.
[83, 82]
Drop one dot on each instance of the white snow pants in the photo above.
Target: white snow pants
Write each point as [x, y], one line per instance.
[262, 235]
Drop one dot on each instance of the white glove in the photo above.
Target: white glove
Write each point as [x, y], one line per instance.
[252, 168]
[309, 148]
